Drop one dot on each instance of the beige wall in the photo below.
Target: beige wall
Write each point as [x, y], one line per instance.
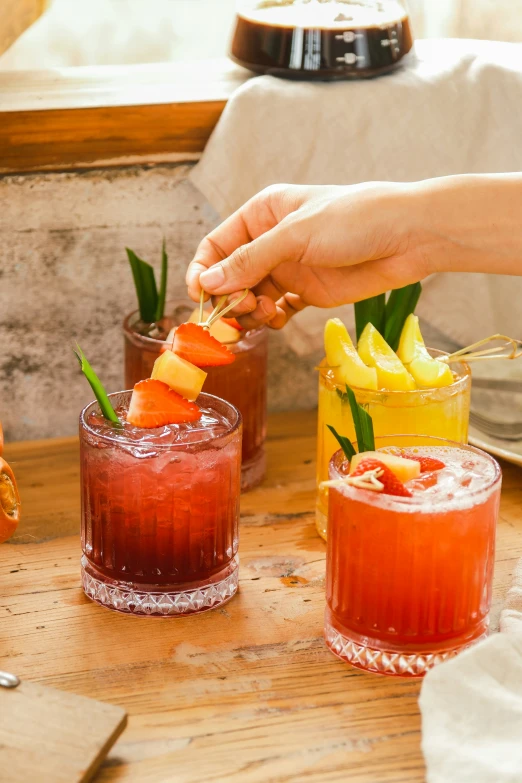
[64, 277]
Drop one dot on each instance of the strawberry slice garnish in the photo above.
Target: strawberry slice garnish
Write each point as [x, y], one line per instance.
[234, 323]
[391, 484]
[196, 345]
[426, 463]
[153, 404]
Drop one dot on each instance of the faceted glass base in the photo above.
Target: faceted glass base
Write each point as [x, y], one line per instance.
[391, 663]
[169, 602]
[253, 471]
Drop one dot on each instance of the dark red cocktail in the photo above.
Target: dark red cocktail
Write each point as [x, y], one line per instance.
[242, 383]
[160, 510]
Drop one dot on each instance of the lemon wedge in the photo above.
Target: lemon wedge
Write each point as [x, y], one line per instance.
[375, 352]
[341, 355]
[428, 372]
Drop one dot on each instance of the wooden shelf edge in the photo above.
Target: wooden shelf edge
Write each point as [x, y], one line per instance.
[89, 117]
[80, 138]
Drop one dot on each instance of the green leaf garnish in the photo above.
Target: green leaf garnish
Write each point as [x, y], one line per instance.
[371, 310]
[362, 422]
[145, 283]
[401, 303]
[160, 309]
[343, 442]
[97, 387]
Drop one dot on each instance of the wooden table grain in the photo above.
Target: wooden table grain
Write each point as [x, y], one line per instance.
[247, 693]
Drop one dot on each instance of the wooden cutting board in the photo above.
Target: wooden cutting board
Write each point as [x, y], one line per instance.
[51, 736]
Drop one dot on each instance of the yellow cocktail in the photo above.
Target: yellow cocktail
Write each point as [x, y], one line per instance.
[442, 412]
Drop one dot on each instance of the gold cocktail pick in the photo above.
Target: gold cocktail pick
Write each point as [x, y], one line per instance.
[368, 480]
[509, 348]
[218, 311]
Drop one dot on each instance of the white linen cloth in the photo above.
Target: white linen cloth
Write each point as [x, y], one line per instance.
[455, 108]
[472, 707]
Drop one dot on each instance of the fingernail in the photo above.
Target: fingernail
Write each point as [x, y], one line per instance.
[212, 278]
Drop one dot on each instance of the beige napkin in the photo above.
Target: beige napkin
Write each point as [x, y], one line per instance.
[472, 707]
[456, 108]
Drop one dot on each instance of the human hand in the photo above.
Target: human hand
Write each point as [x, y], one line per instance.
[296, 246]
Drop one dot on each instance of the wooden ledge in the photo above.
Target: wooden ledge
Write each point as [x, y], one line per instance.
[97, 116]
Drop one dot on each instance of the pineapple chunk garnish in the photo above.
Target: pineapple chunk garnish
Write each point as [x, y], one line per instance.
[341, 355]
[375, 352]
[428, 372]
[182, 376]
[222, 331]
[405, 469]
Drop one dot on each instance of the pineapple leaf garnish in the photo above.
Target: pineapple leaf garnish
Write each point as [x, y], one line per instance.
[388, 317]
[401, 303]
[162, 293]
[343, 442]
[145, 283]
[97, 387]
[371, 310]
[151, 301]
[362, 422]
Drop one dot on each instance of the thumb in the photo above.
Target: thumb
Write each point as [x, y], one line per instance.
[251, 263]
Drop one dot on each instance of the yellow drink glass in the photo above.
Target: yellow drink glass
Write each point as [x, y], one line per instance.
[440, 413]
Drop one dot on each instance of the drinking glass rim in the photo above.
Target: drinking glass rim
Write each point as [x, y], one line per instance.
[155, 341]
[232, 426]
[462, 379]
[441, 441]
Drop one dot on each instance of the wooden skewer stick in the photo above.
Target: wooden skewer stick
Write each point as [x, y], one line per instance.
[470, 354]
[218, 311]
[201, 305]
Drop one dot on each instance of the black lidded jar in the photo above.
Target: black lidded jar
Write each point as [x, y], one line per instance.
[321, 39]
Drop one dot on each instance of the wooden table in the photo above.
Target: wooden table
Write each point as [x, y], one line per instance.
[247, 693]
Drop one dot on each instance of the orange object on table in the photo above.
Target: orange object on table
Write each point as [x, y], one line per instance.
[9, 497]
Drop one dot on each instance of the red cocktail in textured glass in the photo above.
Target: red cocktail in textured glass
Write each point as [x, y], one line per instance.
[160, 510]
[242, 383]
[409, 578]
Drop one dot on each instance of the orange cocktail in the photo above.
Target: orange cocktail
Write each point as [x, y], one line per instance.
[409, 578]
